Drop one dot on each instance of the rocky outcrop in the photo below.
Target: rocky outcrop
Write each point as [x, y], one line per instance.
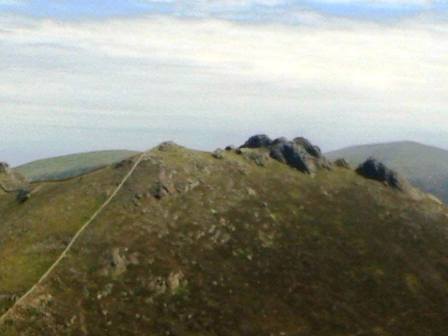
[298, 153]
[11, 181]
[218, 154]
[168, 146]
[342, 163]
[376, 170]
[4, 168]
[257, 141]
[308, 146]
[23, 195]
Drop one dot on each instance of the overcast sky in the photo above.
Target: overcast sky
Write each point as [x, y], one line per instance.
[86, 75]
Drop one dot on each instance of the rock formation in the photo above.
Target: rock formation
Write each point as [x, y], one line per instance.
[11, 181]
[257, 141]
[298, 153]
[342, 163]
[4, 168]
[376, 170]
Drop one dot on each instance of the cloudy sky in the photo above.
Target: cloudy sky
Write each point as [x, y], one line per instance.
[89, 74]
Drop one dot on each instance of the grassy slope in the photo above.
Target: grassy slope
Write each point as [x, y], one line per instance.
[247, 250]
[71, 165]
[425, 166]
[33, 234]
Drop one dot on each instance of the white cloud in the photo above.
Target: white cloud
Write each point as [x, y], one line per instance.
[383, 2]
[135, 82]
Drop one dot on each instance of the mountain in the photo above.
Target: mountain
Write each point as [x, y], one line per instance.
[266, 239]
[71, 165]
[424, 166]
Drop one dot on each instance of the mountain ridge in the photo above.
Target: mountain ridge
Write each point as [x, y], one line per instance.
[71, 165]
[230, 243]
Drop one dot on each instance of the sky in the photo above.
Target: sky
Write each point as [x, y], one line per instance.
[89, 75]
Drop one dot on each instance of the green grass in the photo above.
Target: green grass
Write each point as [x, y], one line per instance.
[71, 165]
[248, 250]
[426, 167]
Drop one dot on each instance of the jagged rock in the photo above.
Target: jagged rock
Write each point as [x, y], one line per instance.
[258, 141]
[342, 163]
[298, 153]
[167, 146]
[164, 186]
[4, 168]
[159, 190]
[308, 146]
[279, 141]
[376, 170]
[292, 155]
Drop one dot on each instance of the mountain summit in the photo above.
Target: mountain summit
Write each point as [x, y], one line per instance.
[241, 241]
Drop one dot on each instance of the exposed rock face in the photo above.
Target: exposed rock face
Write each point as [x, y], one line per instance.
[292, 155]
[298, 153]
[375, 170]
[23, 195]
[10, 180]
[258, 141]
[308, 146]
[4, 168]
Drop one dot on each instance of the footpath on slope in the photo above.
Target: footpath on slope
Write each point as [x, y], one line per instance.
[72, 241]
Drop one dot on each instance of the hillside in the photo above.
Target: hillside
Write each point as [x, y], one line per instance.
[426, 167]
[71, 165]
[226, 243]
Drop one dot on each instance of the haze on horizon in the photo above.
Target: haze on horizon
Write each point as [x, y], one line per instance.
[88, 75]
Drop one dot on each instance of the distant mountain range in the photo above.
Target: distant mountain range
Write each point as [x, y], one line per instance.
[426, 167]
[67, 166]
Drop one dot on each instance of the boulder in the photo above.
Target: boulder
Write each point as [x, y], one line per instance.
[10, 180]
[260, 159]
[292, 155]
[298, 153]
[376, 170]
[23, 195]
[168, 146]
[258, 141]
[342, 163]
[4, 168]
[280, 140]
[308, 146]
[218, 154]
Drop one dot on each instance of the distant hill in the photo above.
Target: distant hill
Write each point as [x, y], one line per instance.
[71, 165]
[424, 166]
[230, 243]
